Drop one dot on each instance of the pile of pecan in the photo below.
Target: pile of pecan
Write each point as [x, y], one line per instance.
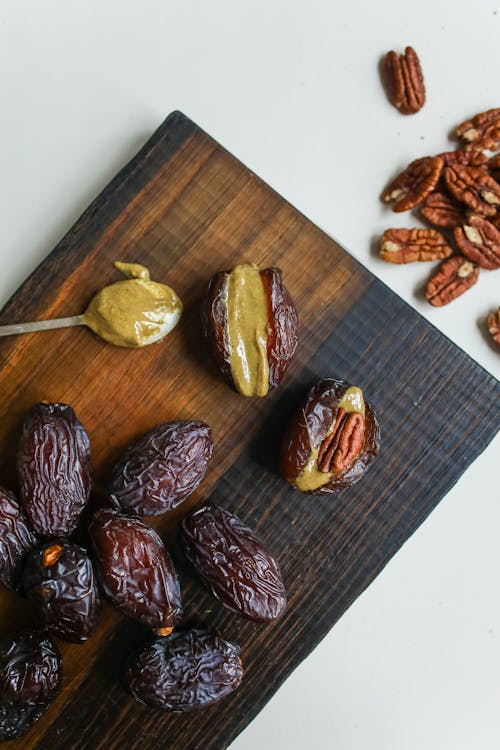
[458, 192]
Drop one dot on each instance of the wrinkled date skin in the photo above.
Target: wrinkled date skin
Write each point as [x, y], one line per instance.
[186, 671]
[282, 325]
[327, 447]
[16, 538]
[162, 469]
[135, 570]
[233, 563]
[59, 578]
[54, 469]
[30, 678]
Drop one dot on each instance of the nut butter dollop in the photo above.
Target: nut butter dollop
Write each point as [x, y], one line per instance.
[247, 330]
[135, 312]
[311, 478]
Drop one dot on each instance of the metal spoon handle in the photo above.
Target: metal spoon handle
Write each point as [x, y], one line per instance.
[41, 325]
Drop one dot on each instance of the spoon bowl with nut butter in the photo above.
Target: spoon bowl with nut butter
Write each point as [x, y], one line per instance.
[130, 313]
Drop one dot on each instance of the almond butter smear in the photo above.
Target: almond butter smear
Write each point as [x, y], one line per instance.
[247, 330]
[135, 312]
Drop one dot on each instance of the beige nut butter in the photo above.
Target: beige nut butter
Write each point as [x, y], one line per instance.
[135, 312]
[247, 330]
[311, 478]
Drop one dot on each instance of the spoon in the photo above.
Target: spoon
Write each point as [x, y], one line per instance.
[131, 313]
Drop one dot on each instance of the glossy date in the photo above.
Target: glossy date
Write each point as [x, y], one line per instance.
[331, 440]
[54, 469]
[16, 538]
[163, 468]
[251, 325]
[30, 678]
[188, 670]
[135, 570]
[233, 563]
[58, 577]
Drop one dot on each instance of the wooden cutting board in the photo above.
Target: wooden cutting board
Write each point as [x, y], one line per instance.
[186, 208]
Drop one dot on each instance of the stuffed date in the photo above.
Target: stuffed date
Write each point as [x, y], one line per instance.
[251, 325]
[332, 439]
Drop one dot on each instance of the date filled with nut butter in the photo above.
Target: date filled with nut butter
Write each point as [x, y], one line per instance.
[332, 439]
[251, 324]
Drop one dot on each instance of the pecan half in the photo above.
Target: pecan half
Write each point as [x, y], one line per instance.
[340, 448]
[404, 81]
[452, 279]
[471, 158]
[482, 131]
[414, 184]
[494, 326]
[494, 167]
[479, 240]
[442, 211]
[474, 187]
[408, 245]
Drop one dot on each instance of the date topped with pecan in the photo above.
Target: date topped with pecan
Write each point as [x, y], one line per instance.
[332, 439]
[251, 326]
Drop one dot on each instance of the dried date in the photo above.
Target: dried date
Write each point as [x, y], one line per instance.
[59, 578]
[233, 563]
[135, 570]
[54, 469]
[251, 326]
[331, 440]
[30, 678]
[16, 538]
[186, 671]
[163, 468]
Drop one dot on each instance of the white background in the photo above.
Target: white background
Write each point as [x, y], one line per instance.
[292, 89]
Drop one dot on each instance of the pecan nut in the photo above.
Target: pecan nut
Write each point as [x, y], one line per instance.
[470, 158]
[452, 279]
[494, 326]
[332, 439]
[414, 184]
[479, 240]
[482, 131]
[442, 211]
[408, 245]
[494, 167]
[404, 81]
[474, 187]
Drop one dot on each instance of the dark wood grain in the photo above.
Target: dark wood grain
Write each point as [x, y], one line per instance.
[186, 208]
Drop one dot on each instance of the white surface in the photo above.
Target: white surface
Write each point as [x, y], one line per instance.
[292, 89]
